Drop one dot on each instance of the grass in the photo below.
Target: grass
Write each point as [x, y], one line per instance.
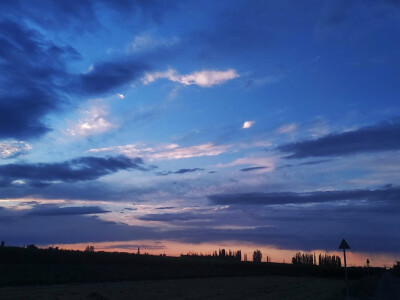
[264, 287]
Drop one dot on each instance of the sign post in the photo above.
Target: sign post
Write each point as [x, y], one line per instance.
[343, 245]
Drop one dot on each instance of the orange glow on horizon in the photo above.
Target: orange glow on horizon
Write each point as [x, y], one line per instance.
[171, 248]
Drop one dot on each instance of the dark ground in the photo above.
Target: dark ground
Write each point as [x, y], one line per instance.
[388, 287]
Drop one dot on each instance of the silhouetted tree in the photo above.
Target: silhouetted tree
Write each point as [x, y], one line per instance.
[245, 257]
[302, 259]
[31, 247]
[396, 268]
[257, 256]
[329, 261]
[89, 249]
[3, 244]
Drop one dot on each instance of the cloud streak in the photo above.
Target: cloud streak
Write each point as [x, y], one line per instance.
[77, 169]
[282, 198]
[253, 169]
[206, 78]
[380, 137]
[180, 171]
[169, 152]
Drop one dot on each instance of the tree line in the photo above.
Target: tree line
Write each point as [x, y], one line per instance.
[310, 259]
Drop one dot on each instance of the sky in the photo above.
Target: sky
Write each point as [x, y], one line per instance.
[194, 125]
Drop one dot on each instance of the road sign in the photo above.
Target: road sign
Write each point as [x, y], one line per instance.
[343, 245]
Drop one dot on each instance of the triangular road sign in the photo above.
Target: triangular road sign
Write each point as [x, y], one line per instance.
[344, 245]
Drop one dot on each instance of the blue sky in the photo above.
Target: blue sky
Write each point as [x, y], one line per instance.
[273, 123]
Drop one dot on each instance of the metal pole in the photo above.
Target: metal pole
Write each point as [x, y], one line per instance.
[345, 275]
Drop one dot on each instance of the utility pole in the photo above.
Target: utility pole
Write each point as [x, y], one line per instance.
[343, 245]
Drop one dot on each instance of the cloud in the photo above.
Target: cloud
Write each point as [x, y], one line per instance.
[52, 210]
[168, 152]
[75, 228]
[107, 76]
[282, 198]
[77, 169]
[307, 163]
[180, 171]
[287, 128]
[248, 124]
[92, 121]
[170, 217]
[83, 15]
[380, 137]
[33, 69]
[256, 162]
[135, 247]
[206, 78]
[145, 42]
[13, 149]
[253, 169]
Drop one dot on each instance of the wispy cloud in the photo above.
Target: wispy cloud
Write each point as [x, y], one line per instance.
[146, 42]
[93, 120]
[385, 194]
[13, 148]
[263, 164]
[288, 128]
[167, 152]
[205, 78]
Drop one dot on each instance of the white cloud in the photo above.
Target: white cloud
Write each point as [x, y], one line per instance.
[167, 152]
[248, 124]
[206, 78]
[288, 128]
[13, 148]
[121, 96]
[92, 121]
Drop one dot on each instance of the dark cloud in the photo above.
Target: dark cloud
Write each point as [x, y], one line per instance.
[307, 163]
[51, 210]
[380, 137]
[23, 229]
[32, 70]
[166, 207]
[180, 171]
[386, 194]
[77, 169]
[83, 15]
[252, 169]
[170, 217]
[107, 76]
[307, 227]
[79, 190]
[136, 246]
[35, 79]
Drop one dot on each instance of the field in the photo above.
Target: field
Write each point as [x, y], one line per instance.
[31, 273]
[265, 287]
